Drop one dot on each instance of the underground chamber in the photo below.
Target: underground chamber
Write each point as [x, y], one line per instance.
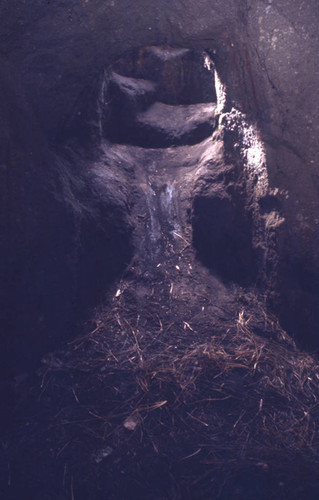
[183, 370]
[163, 99]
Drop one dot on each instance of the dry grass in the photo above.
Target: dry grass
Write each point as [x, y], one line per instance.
[188, 401]
[235, 397]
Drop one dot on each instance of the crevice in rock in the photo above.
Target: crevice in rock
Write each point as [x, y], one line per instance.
[222, 236]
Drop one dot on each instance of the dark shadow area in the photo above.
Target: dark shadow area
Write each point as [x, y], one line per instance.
[63, 245]
[297, 303]
[222, 238]
[53, 284]
[269, 204]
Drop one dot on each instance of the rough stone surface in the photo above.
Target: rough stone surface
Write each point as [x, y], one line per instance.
[53, 55]
[163, 125]
[70, 200]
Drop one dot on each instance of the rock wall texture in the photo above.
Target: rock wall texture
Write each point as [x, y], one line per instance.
[52, 56]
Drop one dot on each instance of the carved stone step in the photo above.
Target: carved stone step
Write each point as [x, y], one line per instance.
[163, 125]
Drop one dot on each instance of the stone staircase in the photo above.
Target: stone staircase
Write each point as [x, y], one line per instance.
[155, 103]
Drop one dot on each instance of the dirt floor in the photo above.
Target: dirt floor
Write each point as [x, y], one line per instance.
[181, 387]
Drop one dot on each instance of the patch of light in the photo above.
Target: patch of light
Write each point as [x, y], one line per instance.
[255, 159]
[208, 63]
[250, 148]
[220, 93]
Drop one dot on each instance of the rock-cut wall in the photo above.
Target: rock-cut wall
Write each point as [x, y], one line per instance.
[53, 53]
